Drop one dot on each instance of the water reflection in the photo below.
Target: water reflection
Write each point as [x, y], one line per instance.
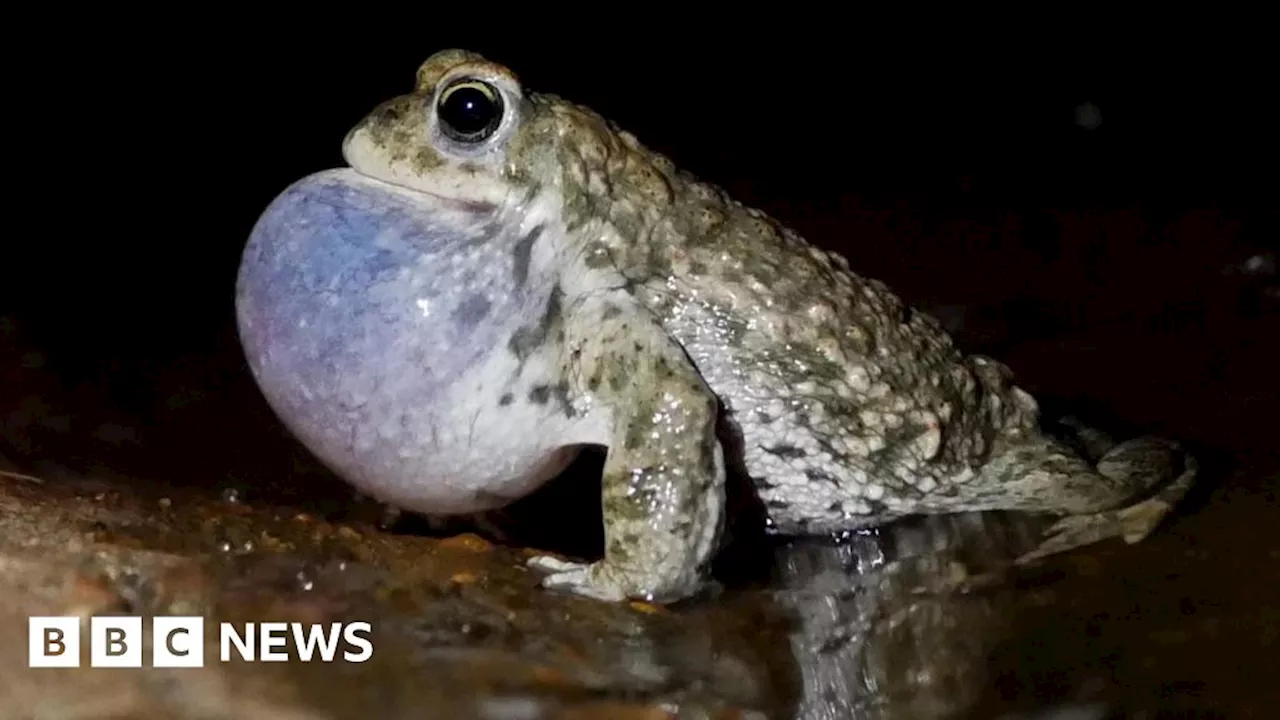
[900, 624]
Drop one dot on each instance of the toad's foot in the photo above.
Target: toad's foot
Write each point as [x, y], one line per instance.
[603, 580]
[1133, 522]
[586, 579]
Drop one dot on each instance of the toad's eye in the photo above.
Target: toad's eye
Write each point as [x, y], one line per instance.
[470, 111]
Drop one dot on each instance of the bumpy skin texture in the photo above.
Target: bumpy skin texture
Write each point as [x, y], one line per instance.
[448, 320]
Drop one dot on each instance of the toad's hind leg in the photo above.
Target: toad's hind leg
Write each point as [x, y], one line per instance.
[1147, 476]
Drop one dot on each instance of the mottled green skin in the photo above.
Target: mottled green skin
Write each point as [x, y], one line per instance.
[666, 302]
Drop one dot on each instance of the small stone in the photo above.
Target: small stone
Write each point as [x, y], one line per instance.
[647, 608]
[467, 541]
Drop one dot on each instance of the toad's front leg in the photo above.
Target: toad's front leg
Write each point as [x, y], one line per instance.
[664, 477]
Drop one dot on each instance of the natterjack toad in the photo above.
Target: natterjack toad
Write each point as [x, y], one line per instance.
[501, 278]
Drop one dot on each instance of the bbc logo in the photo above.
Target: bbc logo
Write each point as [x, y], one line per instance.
[177, 641]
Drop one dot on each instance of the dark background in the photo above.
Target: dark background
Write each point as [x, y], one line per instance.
[1108, 266]
[1126, 272]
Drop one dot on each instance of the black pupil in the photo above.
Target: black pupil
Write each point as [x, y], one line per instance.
[469, 110]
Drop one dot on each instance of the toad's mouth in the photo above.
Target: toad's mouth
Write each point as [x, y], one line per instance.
[460, 204]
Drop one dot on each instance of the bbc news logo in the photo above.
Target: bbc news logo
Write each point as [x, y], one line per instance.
[178, 641]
